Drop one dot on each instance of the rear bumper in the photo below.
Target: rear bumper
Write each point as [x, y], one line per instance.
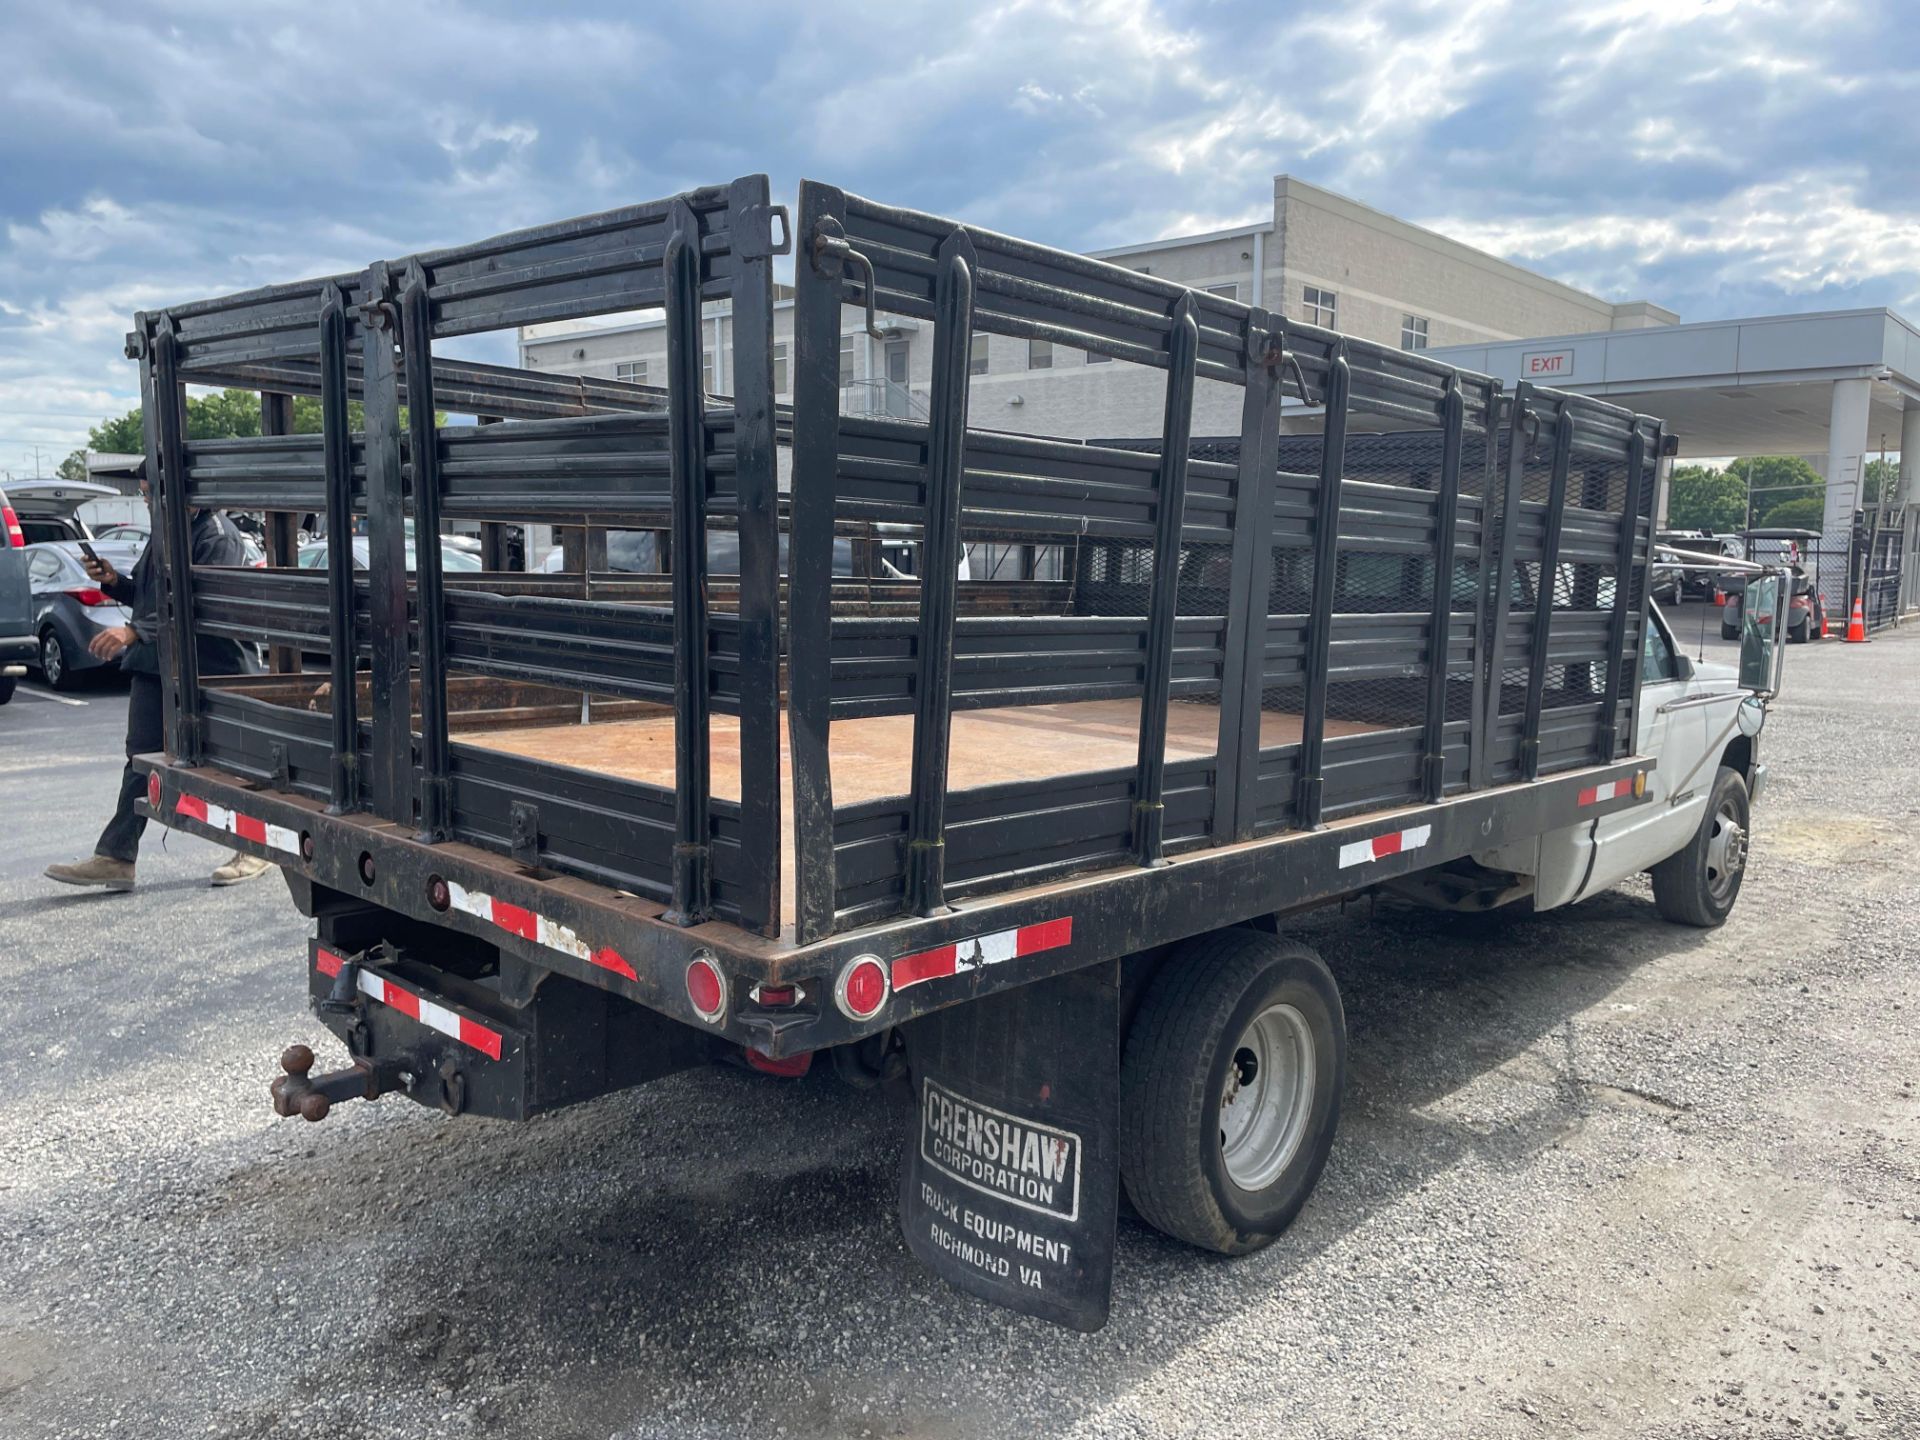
[623, 943]
[17, 650]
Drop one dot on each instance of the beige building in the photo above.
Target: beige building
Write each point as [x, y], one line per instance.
[1322, 258]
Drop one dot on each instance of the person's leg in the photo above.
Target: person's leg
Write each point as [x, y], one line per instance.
[145, 734]
[113, 859]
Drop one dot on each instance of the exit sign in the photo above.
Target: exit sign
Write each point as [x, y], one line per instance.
[1546, 364]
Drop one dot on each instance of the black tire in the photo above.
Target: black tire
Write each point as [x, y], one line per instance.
[1173, 1077]
[1729, 632]
[55, 666]
[1689, 887]
[7, 682]
[1801, 633]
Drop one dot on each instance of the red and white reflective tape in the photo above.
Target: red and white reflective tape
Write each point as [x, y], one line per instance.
[415, 1007]
[1359, 852]
[1612, 790]
[275, 837]
[982, 950]
[529, 925]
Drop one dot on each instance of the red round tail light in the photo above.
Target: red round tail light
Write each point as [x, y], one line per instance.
[862, 988]
[153, 789]
[706, 989]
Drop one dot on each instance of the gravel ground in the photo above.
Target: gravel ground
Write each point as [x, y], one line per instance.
[1598, 1175]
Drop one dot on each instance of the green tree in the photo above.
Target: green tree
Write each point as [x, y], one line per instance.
[225, 415]
[1700, 497]
[74, 467]
[1806, 513]
[120, 437]
[1882, 473]
[1775, 479]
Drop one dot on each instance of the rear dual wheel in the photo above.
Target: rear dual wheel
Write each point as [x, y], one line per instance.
[1230, 1088]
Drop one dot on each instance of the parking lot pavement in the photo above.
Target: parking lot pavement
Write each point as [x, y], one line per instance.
[1597, 1175]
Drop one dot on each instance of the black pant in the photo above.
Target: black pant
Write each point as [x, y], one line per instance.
[145, 734]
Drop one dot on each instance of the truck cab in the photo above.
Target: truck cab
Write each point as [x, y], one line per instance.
[1700, 723]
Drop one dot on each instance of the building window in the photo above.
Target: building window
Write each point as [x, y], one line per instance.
[1039, 354]
[977, 355]
[1321, 307]
[779, 367]
[1225, 292]
[846, 360]
[709, 380]
[1413, 332]
[634, 372]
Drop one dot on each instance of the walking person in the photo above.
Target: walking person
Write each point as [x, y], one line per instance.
[215, 542]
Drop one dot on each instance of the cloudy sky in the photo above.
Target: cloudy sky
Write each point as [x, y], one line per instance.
[1720, 158]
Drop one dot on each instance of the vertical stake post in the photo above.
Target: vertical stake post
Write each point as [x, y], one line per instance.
[423, 451]
[337, 463]
[1445, 521]
[1243, 670]
[1163, 604]
[686, 427]
[940, 574]
[1544, 590]
[1326, 559]
[819, 276]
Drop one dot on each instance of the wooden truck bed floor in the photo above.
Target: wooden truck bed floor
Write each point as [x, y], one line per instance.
[873, 757]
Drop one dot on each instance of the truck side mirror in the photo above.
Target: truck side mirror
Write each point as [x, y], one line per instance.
[1763, 626]
[1682, 667]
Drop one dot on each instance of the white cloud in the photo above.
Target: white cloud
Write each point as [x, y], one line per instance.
[1800, 235]
[1702, 153]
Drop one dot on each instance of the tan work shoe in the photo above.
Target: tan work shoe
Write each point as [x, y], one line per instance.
[240, 867]
[100, 870]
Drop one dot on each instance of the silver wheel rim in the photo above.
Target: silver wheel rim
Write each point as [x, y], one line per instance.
[51, 660]
[1267, 1096]
[1726, 852]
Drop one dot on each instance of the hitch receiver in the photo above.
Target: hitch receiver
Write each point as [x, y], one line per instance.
[313, 1097]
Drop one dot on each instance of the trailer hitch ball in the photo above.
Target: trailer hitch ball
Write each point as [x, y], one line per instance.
[293, 1093]
[311, 1097]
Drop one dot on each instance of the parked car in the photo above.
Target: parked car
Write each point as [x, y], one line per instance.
[69, 609]
[126, 533]
[1669, 577]
[16, 602]
[1696, 580]
[452, 557]
[49, 509]
[637, 552]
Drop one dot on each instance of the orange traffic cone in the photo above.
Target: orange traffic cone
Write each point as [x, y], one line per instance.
[1823, 622]
[1719, 596]
[1857, 624]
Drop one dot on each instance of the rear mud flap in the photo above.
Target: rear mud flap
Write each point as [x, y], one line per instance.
[1011, 1179]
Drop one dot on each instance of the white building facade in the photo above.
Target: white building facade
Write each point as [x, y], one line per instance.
[1322, 258]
